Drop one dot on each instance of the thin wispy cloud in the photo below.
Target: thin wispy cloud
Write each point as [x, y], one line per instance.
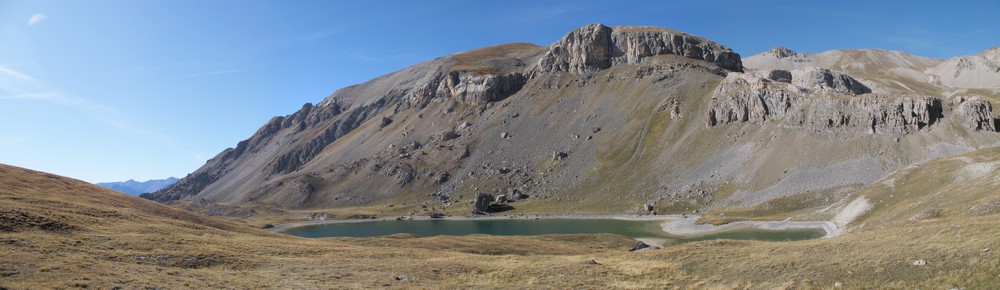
[36, 19]
[18, 86]
[16, 75]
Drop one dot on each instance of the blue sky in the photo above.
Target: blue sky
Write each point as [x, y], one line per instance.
[111, 90]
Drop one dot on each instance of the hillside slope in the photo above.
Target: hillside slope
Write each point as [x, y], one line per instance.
[57, 232]
[604, 120]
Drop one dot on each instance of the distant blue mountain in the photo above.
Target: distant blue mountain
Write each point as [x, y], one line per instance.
[133, 187]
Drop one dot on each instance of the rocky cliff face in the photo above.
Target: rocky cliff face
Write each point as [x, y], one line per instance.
[596, 47]
[975, 113]
[824, 101]
[606, 119]
[875, 114]
[467, 87]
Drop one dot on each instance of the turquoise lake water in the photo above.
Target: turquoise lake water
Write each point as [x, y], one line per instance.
[531, 227]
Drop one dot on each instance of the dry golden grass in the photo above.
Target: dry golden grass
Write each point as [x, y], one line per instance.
[477, 69]
[494, 52]
[57, 232]
[480, 61]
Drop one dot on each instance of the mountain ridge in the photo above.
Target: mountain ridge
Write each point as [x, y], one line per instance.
[604, 120]
[133, 187]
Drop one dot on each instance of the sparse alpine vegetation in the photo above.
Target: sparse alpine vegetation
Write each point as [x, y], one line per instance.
[895, 153]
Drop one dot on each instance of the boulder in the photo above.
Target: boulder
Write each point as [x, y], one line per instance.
[640, 246]
[516, 194]
[482, 203]
[449, 135]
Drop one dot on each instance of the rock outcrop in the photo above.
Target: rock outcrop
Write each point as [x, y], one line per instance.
[975, 113]
[782, 52]
[870, 113]
[586, 49]
[481, 205]
[297, 156]
[821, 79]
[467, 87]
[814, 99]
[216, 167]
[751, 98]
[596, 47]
[476, 89]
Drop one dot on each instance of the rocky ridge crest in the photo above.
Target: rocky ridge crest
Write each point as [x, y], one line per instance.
[822, 100]
[596, 47]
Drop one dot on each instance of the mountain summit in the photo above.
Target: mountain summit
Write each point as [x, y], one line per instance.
[604, 120]
[132, 187]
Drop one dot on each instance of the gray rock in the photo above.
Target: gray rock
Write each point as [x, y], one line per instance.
[468, 87]
[586, 49]
[481, 204]
[597, 47]
[778, 75]
[872, 114]
[449, 135]
[480, 89]
[976, 114]
[516, 194]
[781, 52]
[639, 246]
[745, 98]
[821, 79]
[752, 98]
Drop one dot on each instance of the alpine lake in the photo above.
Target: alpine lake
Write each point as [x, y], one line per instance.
[649, 229]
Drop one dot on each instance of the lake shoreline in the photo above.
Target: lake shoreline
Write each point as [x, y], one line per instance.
[681, 225]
